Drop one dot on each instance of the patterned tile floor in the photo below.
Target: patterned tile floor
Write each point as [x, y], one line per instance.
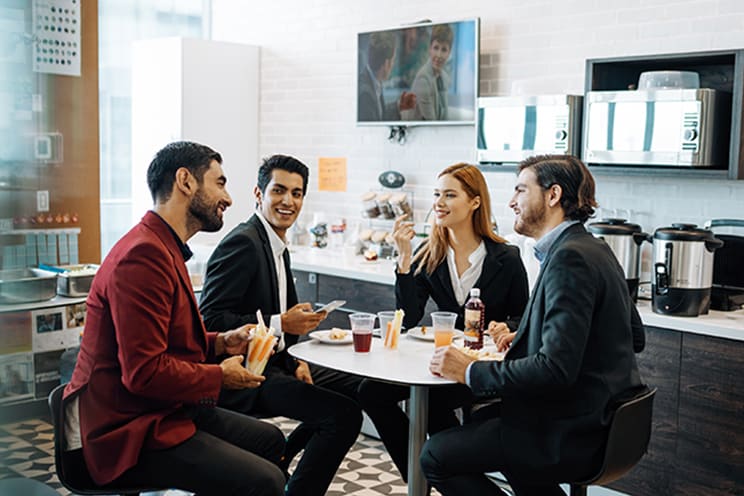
[27, 450]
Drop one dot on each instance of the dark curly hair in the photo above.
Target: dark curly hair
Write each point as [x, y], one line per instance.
[574, 178]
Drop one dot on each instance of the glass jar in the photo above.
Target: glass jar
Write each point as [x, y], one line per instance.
[399, 202]
[371, 210]
[383, 203]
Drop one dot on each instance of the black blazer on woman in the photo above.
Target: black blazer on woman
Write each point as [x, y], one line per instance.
[502, 283]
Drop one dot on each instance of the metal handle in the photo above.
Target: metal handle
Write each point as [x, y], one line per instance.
[640, 237]
[662, 271]
[713, 244]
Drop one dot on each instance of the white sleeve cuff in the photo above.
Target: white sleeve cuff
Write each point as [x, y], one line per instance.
[276, 323]
[467, 374]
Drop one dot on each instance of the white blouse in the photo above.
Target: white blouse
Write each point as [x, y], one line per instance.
[461, 285]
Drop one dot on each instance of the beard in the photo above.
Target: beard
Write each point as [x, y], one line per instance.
[205, 213]
[531, 220]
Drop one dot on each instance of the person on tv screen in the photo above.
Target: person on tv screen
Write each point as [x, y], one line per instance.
[432, 80]
[412, 54]
[371, 104]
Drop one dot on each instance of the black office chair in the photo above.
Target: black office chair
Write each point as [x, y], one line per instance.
[71, 471]
[627, 441]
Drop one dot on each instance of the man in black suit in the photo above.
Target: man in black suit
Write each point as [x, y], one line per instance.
[371, 104]
[572, 358]
[250, 270]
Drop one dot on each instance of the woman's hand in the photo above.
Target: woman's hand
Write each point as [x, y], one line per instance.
[403, 233]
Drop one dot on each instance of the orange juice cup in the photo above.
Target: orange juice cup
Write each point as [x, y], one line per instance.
[444, 327]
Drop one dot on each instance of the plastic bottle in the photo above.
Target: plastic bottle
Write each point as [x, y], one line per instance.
[474, 316]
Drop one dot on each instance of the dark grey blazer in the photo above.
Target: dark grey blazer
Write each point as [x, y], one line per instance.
[503, 286]
[573, 354]
[241, 278]
[368, 105]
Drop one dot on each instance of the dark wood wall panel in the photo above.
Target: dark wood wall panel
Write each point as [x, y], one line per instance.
[710, 445]
[659, 367]
[359, 295]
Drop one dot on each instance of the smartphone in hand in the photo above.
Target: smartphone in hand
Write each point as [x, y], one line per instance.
[328, 308]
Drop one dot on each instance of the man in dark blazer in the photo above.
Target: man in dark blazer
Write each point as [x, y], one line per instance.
[140, 408]
[371, 104]
[572, 358]
[249, 271]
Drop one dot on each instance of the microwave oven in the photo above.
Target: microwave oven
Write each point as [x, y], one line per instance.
[661, 127]
[512, 128]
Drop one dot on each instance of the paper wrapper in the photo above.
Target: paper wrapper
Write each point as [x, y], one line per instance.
[259, 351]
[392, 334]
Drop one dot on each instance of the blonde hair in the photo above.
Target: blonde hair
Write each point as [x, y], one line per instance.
[434, 250]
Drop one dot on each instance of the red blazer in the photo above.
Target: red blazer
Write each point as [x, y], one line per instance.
[143, 353]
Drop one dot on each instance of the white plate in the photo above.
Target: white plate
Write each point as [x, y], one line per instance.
[488, 352]
[324, 337]
[429, 334]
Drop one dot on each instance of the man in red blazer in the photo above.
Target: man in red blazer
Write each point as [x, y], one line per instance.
[141, 403]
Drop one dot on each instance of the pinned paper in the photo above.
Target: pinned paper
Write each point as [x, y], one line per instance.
[331, 174]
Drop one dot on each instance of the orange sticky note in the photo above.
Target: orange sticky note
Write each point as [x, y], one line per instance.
[331, 174]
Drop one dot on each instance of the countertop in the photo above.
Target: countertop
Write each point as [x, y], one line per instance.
[729, 325]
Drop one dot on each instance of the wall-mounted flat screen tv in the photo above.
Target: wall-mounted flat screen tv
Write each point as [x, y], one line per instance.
[420, 74]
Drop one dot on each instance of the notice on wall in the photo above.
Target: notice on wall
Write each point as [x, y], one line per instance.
[56, 25]
[331, 174]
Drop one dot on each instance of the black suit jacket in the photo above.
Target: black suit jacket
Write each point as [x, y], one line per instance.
[502, 283]
[241, 278]
[573, 354]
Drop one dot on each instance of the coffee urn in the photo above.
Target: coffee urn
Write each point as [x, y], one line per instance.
[625, 240]
[683, 269]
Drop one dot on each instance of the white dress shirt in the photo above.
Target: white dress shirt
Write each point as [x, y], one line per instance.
[278, 245]
[461, 285]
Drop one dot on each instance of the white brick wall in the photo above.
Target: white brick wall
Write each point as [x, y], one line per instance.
[308, 73]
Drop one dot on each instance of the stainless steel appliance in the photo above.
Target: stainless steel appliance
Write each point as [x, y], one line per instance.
[683, 269]
[662, 127]
[727, 292]
[512, 128]
[625, 240]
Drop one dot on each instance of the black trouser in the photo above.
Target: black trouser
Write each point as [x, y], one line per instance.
[330, 418]
[380, 401]
[230, 454]
[455, 462]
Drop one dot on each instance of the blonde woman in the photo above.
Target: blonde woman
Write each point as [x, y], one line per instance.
[462, 252]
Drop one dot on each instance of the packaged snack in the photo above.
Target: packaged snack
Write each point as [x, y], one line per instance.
[259, 349]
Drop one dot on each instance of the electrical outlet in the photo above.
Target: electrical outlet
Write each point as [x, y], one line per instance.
[42, 201]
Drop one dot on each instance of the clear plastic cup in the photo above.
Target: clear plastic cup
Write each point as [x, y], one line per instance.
[361, 330]
[386, 317]
[444, 327]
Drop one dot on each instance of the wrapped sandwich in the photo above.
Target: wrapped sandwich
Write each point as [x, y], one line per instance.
[259, 349]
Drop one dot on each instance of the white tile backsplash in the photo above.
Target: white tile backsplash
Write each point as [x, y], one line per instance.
[308, 75]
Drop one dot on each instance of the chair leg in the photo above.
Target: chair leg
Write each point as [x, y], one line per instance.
[577, 490]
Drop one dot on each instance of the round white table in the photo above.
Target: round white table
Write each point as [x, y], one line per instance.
[408, 365]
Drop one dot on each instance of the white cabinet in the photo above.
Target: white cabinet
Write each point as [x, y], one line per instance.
[203, 91]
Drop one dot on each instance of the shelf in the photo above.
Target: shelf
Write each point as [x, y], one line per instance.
[722, 71]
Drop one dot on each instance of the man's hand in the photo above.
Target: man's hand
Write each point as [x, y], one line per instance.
[504, 341]
[450, 363]
[235, 341]
[300, 319]
[235, 376]
[407, 101]
[502, 336]
[303, 372]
